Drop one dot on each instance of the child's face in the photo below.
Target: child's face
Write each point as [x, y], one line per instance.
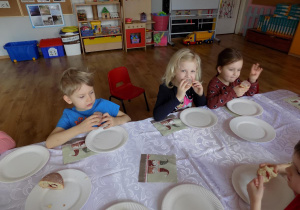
[83, 98]
[186, 70]
[293, 174]
[230, 72]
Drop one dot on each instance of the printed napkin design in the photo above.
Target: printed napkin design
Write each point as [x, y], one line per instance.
[169, 125]
[75, 150]
[295, 101]
[158, 168]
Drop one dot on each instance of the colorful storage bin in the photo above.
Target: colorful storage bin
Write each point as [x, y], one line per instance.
[102, 40]
[21, 51]
[52, 48]
[160, 38]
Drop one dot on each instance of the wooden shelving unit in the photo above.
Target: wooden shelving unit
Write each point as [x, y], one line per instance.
[102, 41]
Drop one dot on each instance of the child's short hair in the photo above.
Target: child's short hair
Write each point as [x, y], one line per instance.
[297, 149]
[73, 78]
[181, 55]
[228, 56]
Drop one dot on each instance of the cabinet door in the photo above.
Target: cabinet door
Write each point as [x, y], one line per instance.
[135, 37]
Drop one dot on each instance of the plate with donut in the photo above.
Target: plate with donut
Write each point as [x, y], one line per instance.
[65, 189]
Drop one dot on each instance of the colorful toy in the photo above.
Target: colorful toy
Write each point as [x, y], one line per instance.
[105, 13]
[143, 17]
[134, 39]
[198, 37]
[96, 26]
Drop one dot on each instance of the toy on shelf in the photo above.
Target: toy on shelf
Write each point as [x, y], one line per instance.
[198, 37]
[143, 17]
[96, 26]
[86, 30]
[134, 39]
[128, 20]
[105, 13]
[114, 15]
[81, 15]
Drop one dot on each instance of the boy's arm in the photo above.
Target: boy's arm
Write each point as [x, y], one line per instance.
[60, 136]
[110, 121]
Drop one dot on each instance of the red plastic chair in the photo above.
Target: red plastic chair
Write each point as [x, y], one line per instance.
[121, 88]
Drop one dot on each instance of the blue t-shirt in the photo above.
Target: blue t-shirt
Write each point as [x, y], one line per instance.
[72, 117]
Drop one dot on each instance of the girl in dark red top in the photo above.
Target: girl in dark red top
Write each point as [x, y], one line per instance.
[226, 85]
[255, 188]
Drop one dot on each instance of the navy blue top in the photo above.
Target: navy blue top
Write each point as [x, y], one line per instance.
[167, 101]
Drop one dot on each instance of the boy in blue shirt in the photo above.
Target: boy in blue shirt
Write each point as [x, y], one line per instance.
[88, 112]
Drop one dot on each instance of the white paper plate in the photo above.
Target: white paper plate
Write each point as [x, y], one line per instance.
[277, 194]
[23, 163]
[127, 206]
[105, 140]
[189, 196]
[252, 129]
[198, 117]
[77, 189]
[244, 107]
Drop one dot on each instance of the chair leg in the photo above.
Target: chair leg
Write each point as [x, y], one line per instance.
[123, 106]
[121, 102]
[146, 102]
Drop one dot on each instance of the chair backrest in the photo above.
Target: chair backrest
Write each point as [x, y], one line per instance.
[118, 77]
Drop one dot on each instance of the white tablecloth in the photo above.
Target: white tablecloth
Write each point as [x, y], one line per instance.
[205, 157]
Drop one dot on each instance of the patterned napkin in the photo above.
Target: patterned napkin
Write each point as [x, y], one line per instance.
[75, 150]
[169, 125]
[295, 101]
[158, 168]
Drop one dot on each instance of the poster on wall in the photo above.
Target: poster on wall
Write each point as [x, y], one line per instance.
[45, 15]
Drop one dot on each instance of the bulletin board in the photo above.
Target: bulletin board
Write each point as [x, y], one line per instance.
[14, 10]
[18, 7]
[274, 2]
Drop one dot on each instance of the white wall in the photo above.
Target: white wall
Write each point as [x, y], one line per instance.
[156, 6]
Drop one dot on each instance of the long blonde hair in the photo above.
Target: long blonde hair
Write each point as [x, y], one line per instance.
[181, 55]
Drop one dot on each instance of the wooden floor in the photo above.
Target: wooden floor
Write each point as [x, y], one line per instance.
[31, 103]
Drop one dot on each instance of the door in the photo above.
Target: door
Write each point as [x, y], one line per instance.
[227, 16]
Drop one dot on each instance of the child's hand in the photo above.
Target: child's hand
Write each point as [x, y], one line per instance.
[182, 88]
[198, 88]
[108, 120]
[90, 123]
[280, 168]
[255, 72]
[255, 190]
[240, 91]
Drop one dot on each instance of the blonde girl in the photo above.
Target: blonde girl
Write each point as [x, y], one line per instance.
[181, 85]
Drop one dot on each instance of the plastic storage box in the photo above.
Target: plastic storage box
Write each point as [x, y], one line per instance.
[160, 38]
[21, 51]
[52, 48]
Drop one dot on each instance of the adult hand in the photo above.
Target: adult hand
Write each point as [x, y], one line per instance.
[198, 88]
[255, 72]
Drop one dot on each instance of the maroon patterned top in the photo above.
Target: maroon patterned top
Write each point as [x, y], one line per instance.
[218, 94]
